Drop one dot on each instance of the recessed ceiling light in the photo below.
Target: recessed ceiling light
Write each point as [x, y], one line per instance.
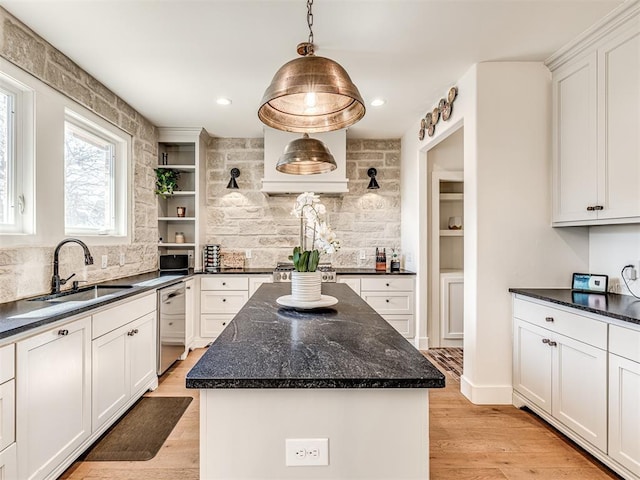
[378, 102]
[223, 101]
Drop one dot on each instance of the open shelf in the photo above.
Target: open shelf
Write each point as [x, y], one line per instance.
[179, 168]
[176, 219]
[176, 245]
[451, 233]
[449, 197]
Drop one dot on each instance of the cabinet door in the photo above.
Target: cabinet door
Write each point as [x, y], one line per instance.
[7, 414]
[354, 283]
[619, 99]
[110, 380]
[624, 414]
[532, 363]
[255, 282]
[580, 389]
[8, 464]
[575, 173]
[53, 397]
[141, 338]
[189, 312]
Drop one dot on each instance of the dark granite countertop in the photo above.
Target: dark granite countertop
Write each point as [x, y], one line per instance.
[345, 346]
[621, 307]
[370, 271]
[23, 315]
[339, 271]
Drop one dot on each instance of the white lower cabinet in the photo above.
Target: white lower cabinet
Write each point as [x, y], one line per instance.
[557, 373]
[221, 297]
[8, 457]
[624, 397]
[393, 297]
[53, 397]
[123, 366]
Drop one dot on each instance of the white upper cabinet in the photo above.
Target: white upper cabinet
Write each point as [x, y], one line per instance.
[596, 124]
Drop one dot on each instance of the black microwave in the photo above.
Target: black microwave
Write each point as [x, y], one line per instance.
[174, 263]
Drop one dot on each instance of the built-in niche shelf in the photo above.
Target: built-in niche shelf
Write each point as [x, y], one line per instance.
[451, 233]
[451, 197]
[183, 150]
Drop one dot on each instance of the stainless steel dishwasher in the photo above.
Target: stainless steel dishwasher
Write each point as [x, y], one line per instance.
[171, 325]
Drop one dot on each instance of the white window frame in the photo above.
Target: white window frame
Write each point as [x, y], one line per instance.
[22, 164]
[119, 180]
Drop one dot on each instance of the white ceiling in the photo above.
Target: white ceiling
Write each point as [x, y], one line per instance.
[170, 59]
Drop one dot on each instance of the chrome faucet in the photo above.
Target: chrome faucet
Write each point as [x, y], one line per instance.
[56, 281]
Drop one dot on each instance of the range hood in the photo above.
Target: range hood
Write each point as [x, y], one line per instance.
[277, 183]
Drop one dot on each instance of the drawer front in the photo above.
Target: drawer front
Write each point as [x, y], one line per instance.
[224, 282]
[213, 325]
[402, 323]
[222, 302]
[7, 414]
[390, 303]
[624, 342]
[114, 317]
[7, 363]
[9, 463]
[386, 284]
[572, 325]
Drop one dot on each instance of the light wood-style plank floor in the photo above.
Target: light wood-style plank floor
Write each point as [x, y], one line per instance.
[467, 442]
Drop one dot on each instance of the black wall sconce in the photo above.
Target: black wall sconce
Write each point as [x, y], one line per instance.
[235, 173]
[373, 184]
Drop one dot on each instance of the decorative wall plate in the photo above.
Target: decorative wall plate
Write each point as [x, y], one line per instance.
[435, 115]
[428, 121]
[431, 130]
[453, 93]
[421, 134]
[446, 111]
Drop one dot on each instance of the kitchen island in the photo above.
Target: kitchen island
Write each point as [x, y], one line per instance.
[341, 373]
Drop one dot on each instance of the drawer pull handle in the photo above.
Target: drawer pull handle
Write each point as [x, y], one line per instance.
[590, 208]
[63, 333]
[553, 344]
[548, 319]
[598, 207]
[188, 288]
[131, 333]
[545, 340]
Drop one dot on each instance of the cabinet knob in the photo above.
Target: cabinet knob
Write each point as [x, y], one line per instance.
[548, 319]
[63, 333]
[188, 288]
[224, 323]
[224, 284]
[388, 285]
[224, 299]
[387, 300]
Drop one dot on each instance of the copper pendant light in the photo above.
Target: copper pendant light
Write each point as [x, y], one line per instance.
[311, 94]
[306, 156]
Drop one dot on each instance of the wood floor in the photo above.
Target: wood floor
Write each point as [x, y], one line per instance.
[467, 442]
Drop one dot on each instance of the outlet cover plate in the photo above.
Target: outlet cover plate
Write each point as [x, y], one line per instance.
[306, 452]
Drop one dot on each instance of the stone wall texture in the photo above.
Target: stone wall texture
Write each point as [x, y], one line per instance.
[26, 271]
[247, 219]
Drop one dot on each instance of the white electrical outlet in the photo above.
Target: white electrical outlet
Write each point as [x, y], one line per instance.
[305, 452]
[363, 254]
[123, 259]
[247, 253]
[105, 260]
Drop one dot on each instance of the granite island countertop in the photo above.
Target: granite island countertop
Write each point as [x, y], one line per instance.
[345, 346]
[621, 307]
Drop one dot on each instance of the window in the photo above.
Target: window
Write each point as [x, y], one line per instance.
[16, 191]
[94, 179]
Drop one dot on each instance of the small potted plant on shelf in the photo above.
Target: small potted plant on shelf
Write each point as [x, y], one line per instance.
[166, 181]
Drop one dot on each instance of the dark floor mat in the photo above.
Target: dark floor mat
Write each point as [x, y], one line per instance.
[141, 432]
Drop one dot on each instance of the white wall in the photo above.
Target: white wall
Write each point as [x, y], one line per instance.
[505, 108]
[612, 247]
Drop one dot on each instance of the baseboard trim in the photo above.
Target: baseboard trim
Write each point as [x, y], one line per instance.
[486, 394]
[423, 343]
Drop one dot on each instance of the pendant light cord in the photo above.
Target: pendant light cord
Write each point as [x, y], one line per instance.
[310, 20]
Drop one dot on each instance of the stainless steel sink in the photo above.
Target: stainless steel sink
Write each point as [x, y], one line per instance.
[83, 294]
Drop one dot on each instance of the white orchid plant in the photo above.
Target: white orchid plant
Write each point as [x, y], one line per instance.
[313, 229]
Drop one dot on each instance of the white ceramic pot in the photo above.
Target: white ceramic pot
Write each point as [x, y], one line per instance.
[306, 286]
